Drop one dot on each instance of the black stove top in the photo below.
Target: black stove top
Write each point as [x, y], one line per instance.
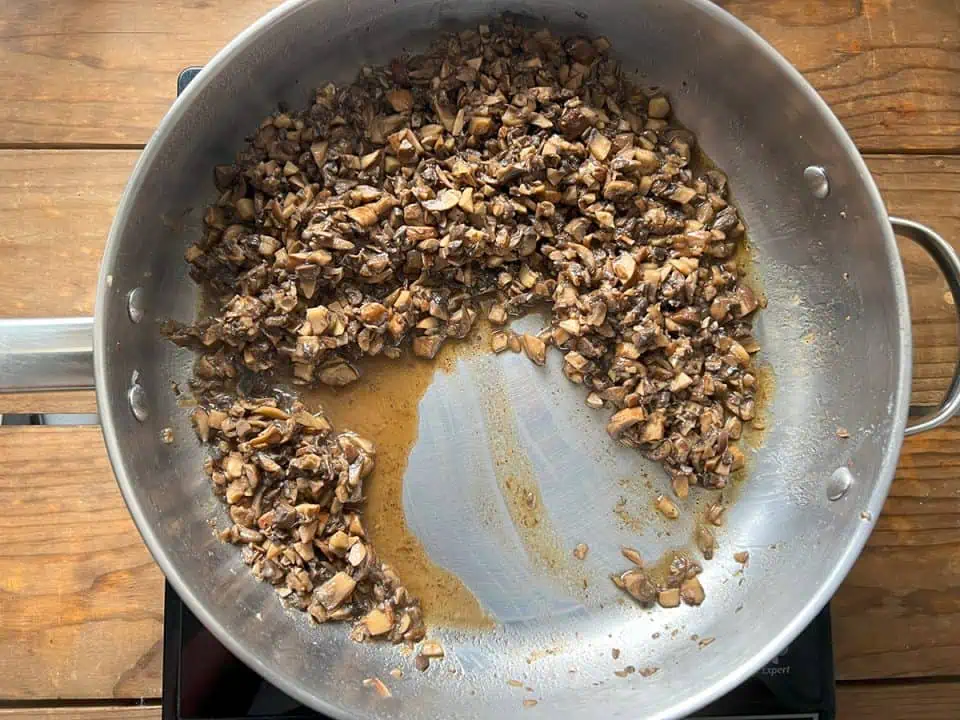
[203, 681]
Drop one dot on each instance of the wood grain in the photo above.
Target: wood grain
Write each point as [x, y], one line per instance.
[926, 189]
[890, 70]
[55, 212]
[899, 701]
[126, 712]
[80, 598]
[898, 612]
[104, 72]
[83, 401]
[902, 701]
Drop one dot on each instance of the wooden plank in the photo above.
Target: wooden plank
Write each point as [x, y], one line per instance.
[888, 70]
[926, 189]
[55, 212]
[115, 77]
[125, 712]
[81, 601]
[49, 402]
[900, 701]
[898, 612]
[104, 72]
[49, 195]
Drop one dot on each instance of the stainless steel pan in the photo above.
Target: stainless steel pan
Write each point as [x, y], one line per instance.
[836, 334]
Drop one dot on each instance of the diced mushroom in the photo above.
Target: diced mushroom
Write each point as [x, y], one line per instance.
[667, 507]
[480, 125]
[319, 152]
[681, 382]
[625, 267]
[373, 313]
[378, 686]
[746, 300]
[683, 194]
[669, 597]
[497, 314]
[653, 430]
[659, 107]
[625, 419]
[534, 348]
[681, 484]
[245, 209]
[427, 346]
[400, 99]
[357, 554]
[446, 200]
[599, 146]
[338, 373]
[714, 514]
[691, 591]
[639, 586]
[632, 555]
[705, 541]
[335, 591]
[502, 172]
[431, 649]
[377, 622]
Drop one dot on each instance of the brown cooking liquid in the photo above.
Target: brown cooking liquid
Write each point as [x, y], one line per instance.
[383, 406]
[753, 432]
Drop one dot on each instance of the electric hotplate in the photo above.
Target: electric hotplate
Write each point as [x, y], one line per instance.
[203, 681]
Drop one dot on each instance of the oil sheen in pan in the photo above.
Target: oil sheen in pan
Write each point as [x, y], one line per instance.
[383, 406]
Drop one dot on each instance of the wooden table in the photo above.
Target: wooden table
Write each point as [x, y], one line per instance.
[84, 82]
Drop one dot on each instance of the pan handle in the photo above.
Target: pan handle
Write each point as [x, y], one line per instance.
[946, 259]
[41, 354]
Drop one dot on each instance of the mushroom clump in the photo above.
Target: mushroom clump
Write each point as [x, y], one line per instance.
[501, 170]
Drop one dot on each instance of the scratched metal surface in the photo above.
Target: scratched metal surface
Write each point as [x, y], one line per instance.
[839, 349]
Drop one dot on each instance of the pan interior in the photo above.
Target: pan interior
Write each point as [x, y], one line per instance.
[833, 336]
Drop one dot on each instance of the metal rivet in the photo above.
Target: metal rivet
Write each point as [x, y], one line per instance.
[135, 304]
[816, 178]
[839, 483]
[137, 398]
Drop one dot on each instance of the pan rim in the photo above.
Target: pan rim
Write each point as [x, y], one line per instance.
[110, 412]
